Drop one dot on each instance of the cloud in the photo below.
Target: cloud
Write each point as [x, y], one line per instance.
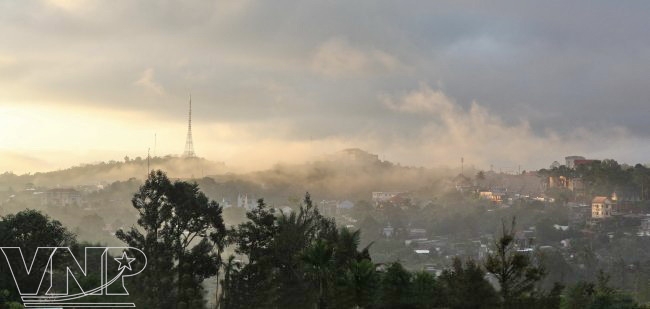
[69, 5]
[520, 79]
[425, 100]
[484, 139]
[148, 82]
[337, 58]
[20, 163]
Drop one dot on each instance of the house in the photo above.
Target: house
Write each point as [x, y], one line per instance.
[345, 205]
[380, 197]
[417, 233]
[388, 231]
[401, 200]
[328, 208]
[61, 197]
[570, 160]
[524, 240]
[601, 207]
[577, 163]
[571, 183]
[248, 203]
[496, 195]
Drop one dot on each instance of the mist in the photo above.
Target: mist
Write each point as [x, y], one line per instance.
[335, 154]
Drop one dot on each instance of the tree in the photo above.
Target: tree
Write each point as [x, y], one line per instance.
[284, 265]
[597, 295]
[606, 297]
[250, 284]
[362, 280]
[514, 271]
[6, 303]
[480, 176]
[578, 296]
[426, 292]
[179, 231]
[641, 178]
[319, 262]
[224, 299]
[194, 218]
[299, 234]
[29, 230]
[465, 287]
[395, 287]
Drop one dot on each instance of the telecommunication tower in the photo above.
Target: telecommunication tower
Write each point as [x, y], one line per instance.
[189, 144]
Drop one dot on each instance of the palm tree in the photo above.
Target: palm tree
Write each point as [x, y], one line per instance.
[363, 280]
[346, 246]
[318, 260]
[228, 269]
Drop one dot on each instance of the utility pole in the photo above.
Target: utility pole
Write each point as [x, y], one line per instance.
[148, 157]
[462, 166]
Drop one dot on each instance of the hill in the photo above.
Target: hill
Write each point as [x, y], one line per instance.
[348, 174]
[107, 172]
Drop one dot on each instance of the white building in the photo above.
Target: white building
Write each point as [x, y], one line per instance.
[379, 197]
[61, 198]
[345, 205]
[249, 203]
[570, 160]
[388, 231]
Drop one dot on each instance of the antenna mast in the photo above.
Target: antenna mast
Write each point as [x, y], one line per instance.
[148, 157]
[189, 144]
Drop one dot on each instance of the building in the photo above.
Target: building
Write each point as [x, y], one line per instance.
[577, 163]
[243, 201]
[328, 208]
[61, 198]
[496, 195]
[347, 205]
[379, 197]
[417, 233]
[572, 184]
[524, 240]
[388, 231]
[601, 207]
[570, 160]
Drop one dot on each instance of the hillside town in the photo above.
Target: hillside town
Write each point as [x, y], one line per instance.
[578, 217]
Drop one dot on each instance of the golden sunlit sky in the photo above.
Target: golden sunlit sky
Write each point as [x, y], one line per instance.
[420, 83]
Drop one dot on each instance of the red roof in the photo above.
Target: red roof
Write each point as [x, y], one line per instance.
[584, 161]
[599, 200]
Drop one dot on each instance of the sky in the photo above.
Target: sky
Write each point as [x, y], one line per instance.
[422, 83]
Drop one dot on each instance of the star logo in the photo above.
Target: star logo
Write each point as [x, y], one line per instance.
[125, 261]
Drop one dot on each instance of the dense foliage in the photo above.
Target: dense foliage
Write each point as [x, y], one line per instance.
[301, 259]
[607, 176]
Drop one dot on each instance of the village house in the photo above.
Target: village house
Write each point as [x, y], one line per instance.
[601, 207]
[61, 197]
[496, 195]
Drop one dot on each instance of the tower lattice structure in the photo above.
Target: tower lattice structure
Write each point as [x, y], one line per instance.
[189, 144]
